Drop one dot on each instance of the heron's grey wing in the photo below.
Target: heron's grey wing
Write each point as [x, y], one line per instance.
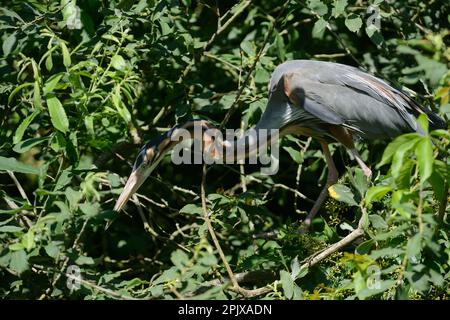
[384, 92]
[302, 94]
[354, 78]
[354, 109]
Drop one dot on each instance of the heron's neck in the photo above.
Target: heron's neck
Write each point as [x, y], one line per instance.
[231, 146]
[250, 144]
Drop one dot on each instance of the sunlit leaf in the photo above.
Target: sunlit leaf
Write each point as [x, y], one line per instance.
[26, 145]
[118, 62]
[287, 283]
[342, 193]
[19, 261]
[23, 126]
[8, 44]
[376, 193]
[57, 114]
[66, 55]
[353, 22]
[12, 164]
[424, 154]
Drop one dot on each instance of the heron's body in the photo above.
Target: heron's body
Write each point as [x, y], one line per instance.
[328, 101]
[336, 94]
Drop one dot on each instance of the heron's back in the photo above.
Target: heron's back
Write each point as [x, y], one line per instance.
[362, 102]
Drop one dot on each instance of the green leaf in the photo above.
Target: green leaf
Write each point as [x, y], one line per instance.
[191, 209]
[8, 44]
[71, 14]
[51, 83]
[11, 14]
[438, 184]
[413, 247]
[120, 107]
[353, 22]
[118, 62]
[57, 114]
[445, 108]
[287, 283]
[37, 96]
[247, 47]
[16, 246]
[10, 229]
[179, 258]
[377, 221]
[319, 28]
[376, 193]
[28, 240]
[399, 156]
[424, 154]
[208, 259]
[365, 247]
[17, 89]
[89, 124]
[394, 145]
[441, 133]
[35, 67]
[49, 62]
[295, 268]
[90, 209]
[12, 164]
[52, 250]
[262, 76]
[338, 8]
[73, 197]
[402, 180]
[379, 287]
[26, 145]
[23, 126]
[342, 193]
[295, 155]
[227, 101]
[199, 44]
[423, 122]
[318, 7]
[167, 275]
[419, 281]
[359, 181]
[374, 34]
[436, 278]
[19, 261]
[66, 55]
[84, 260]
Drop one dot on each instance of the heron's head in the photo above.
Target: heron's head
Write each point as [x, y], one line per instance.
[146, 161]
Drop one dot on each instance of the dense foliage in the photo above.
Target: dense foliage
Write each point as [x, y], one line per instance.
[85, 83]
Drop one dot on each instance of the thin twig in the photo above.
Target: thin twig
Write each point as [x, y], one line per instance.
[19, 187]
[23, 219]
[352, 236]
[236, 288]
[296, 192]
[211, 229]
[330, 56]
[143, 217]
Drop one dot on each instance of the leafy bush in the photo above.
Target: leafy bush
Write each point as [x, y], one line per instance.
[84, 84]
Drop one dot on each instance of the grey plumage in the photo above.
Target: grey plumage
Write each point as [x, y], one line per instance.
[333, 93]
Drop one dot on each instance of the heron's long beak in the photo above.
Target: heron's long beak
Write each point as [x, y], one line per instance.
[135, 180]
[145, 163]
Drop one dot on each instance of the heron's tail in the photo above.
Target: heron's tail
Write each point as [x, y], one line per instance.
[436, 122]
